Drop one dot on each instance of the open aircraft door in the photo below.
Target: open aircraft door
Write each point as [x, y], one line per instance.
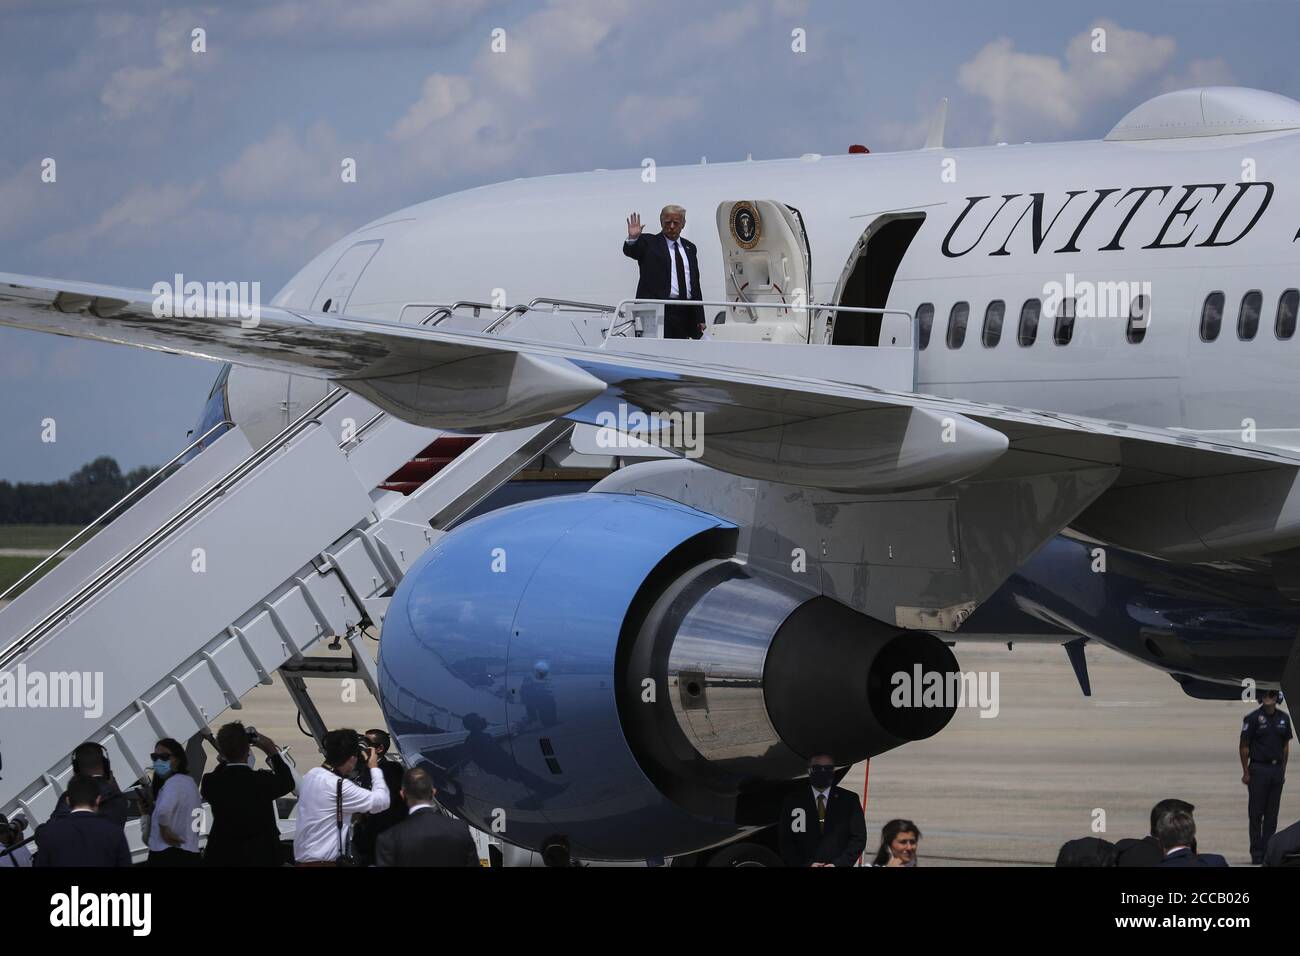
[765, 258]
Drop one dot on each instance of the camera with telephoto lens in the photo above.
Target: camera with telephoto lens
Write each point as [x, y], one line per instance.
[11, 831]
[252, 734]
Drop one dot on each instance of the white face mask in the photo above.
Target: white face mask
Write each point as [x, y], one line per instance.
[252, 760]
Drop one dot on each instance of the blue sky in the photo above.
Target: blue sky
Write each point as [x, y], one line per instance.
[224, 165]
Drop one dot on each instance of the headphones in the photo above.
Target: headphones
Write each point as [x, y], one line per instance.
[103, 753]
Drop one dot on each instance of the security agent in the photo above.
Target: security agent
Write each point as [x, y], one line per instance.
[82, 836]
[1176, 832]
[669, 270]
[425, 837]
[1265, 745]
[1146, 851]
[821, 824]
[91, 760]
[242, 798]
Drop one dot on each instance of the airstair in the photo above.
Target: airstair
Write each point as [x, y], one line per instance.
[234, 567]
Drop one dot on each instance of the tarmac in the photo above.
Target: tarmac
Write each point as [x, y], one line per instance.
[1052, 765]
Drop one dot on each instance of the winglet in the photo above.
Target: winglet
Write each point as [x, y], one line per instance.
[934, 139]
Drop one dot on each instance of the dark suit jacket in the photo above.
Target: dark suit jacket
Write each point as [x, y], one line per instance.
[1186, 857]
[845, 835]
[651, 252]
[1282, 844]
[244, 831]
[114, 805]
[81, 839]
[366, 831]
[1143, 852]
[426, 838]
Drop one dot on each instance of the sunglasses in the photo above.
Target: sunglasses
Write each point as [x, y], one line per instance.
[160, 757]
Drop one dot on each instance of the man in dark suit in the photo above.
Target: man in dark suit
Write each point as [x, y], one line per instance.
[1146, 851]
[244, 830]
[821, 824]
[669, 270]
[1284, 847]
[366, 830]
[89, 759]
[425, 837]
[1176, 833]
[82, 837]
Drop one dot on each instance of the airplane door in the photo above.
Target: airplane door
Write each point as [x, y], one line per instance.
[336, 290]
[765, 258]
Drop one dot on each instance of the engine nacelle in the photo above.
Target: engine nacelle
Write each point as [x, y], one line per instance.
[599, 669]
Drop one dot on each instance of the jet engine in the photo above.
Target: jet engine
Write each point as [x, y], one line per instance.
[600, 671]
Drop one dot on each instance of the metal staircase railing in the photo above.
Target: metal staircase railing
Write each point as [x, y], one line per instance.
[124, 562]
[118, 506]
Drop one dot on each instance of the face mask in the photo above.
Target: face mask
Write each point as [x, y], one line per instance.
[162, 767]
[821, 777]
[252, 760]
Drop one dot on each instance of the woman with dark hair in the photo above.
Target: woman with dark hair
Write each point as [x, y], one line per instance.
[898, 840]
[173, 835]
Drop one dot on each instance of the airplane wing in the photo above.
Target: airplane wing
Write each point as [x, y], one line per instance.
[990, 482]
[810, 432]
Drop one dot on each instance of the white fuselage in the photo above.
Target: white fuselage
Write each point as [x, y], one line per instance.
[560, 236]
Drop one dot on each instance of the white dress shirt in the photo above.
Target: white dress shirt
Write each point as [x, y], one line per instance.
[672, 269]
[177, 801]
[316, 837]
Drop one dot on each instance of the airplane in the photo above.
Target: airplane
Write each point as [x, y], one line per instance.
[1034, 392]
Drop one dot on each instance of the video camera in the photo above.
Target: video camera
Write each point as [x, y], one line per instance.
[11, 831]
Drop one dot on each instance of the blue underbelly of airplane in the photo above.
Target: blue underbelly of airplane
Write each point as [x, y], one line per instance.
[1201, 624]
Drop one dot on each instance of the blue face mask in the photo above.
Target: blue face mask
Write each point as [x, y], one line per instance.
[162, 767]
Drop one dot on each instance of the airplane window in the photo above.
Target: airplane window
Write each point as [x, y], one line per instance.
[1248, 316]
[957, 324]
[1211, 316]
[993, 322]
[1286, 311]
[924, 322]
[1029, 313]
[1064, 322]
[1138, 319]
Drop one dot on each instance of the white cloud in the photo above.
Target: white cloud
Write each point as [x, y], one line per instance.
[441, 96]
[1031, 95]
[1208, 72]
[139, 90]
[641, 118]
[289, 166]
[310, 20]
[147, 215]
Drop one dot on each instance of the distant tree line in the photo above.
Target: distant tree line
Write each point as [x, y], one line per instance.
[80, 499]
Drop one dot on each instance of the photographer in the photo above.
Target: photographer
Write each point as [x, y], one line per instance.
[12, 851]
[327, 800]
[367, 829]
[242, 798]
